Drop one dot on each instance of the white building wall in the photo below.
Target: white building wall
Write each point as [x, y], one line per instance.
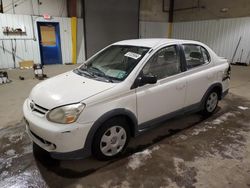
[56, 8]
[221, 35]
[27, 46]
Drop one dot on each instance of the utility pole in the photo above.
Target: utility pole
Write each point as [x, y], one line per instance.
[170, 18]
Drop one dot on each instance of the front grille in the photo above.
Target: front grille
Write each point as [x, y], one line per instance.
[39, 109]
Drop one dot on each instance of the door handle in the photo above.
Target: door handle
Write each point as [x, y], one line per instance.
[180, 87]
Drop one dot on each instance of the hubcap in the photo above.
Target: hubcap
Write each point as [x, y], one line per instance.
[113, 140]
[212, 102]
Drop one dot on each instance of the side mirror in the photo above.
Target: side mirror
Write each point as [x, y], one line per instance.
[147, 79]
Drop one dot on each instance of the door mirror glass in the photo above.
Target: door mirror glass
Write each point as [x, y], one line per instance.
[147, 79]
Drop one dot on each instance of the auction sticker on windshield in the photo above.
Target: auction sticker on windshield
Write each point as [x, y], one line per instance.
[132, 55]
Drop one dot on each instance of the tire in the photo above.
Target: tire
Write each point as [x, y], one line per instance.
[211, 103]
[111, 139]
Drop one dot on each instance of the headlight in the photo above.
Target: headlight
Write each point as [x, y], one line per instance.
[65, 114]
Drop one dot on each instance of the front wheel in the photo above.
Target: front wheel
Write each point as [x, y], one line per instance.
[111, 139]
[211, 103]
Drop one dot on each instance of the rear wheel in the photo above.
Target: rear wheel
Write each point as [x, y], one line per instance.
[211, 103]
[111, 139]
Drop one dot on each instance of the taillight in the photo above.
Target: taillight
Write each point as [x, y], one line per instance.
[227, 73]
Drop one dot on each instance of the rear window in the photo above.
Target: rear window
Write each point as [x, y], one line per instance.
[195, 55]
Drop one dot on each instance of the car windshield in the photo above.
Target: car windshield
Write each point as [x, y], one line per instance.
[113, 64]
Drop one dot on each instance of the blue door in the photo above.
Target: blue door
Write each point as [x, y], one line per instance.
[49, 41]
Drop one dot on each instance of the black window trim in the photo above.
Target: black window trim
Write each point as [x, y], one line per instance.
[185, 61]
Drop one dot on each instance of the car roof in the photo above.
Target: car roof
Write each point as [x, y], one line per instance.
[152, 42]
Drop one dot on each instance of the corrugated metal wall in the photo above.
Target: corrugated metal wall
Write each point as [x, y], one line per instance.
[153, 29]
[27, 48]
[221, 35]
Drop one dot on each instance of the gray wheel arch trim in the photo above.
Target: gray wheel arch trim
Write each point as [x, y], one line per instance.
[98, 123]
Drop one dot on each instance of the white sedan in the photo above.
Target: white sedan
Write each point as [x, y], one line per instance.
[123, 90]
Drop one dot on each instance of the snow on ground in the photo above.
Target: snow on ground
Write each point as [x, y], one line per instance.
[223, 118]
[199, 130]
[8, 163]
[243, 107]
[183, 137]
[4, 173]
[28, 178]
[10, 152]
[15, 138]
[178, 163]
[27, 149]
[5, 146]
[107, 184]
[138, 159]
[124, 184]
[209, 125]
[171, 184]
[216, 169]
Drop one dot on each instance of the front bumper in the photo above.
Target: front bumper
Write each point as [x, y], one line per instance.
[55, 138]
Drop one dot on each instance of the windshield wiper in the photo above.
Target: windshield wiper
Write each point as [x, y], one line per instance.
[98, 71]
[109, 79]
[85, 72]
[101, 74]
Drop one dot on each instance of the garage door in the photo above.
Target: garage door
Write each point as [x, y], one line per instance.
[109, 21]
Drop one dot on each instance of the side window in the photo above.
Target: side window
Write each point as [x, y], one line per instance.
[195, 55]
[164, 63]
[205, 54]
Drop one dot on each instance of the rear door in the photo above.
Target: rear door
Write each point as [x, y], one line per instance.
[199, 74]
[168, 94]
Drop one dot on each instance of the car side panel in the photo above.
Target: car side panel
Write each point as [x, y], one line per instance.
[198, 81]
[158, 99]
[106, 102]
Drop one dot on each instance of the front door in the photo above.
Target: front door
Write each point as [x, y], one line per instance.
[49, 41]
[168, 94]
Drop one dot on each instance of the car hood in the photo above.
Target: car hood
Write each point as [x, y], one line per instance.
[65, 89]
